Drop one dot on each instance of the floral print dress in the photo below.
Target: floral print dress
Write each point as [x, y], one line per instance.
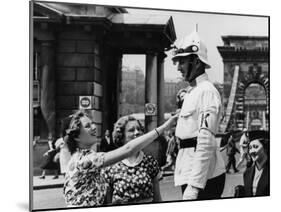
[84, 185]
[131, 184]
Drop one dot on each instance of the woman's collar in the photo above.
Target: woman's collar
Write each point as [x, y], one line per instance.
[261, 164]
[136, 162]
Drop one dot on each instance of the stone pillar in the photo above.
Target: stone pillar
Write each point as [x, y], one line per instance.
[48, 86]
[160, 89]
[161, 144]
[151, 99]
[151, 89]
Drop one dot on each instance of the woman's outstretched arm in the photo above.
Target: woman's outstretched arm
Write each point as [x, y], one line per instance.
[138, 143]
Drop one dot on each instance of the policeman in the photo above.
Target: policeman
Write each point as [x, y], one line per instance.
[200, 169]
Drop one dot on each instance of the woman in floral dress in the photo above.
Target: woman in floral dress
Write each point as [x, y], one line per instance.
[134, 179]
[84, 184]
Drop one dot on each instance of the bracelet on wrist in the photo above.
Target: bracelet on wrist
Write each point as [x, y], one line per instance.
[158, 134]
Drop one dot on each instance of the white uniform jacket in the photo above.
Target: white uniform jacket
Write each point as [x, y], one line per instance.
[199, 117]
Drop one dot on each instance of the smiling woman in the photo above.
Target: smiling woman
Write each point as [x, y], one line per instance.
[84, 184]
[256, 177]
[134, 179]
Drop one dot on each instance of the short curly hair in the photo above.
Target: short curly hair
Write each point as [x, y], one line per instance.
[73, 131]
[119, 129]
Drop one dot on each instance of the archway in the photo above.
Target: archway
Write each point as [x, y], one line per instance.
[252, 96]
[255, 106]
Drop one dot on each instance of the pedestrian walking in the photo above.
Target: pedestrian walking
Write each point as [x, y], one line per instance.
[200, 169]
[50, 161]
[171, 153]
[64, 153]
[244, 150]
[84, 184]
[231, 150]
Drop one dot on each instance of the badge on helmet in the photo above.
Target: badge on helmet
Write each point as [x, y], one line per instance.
[191, 44]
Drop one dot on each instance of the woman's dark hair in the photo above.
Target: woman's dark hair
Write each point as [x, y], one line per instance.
[262, 136]
[265, 144]
[65, 125]
[119, 129]
[73, 131]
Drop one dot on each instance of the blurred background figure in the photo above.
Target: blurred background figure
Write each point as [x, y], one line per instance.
[171, 153]
[244, 150]
[35, 141]
[107, 143]
[180, 97]
[64, 153]
[231, 150]
[50, 161]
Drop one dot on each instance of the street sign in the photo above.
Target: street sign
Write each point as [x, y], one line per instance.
[150, 109]
[85, 102]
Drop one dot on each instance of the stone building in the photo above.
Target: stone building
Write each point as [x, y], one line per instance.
[246, 82]
[77, 53]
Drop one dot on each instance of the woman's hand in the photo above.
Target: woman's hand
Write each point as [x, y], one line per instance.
[171, 121]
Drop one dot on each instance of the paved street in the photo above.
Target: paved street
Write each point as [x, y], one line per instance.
[53, 198]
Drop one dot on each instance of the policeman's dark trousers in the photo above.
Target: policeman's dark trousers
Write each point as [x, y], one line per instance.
[213, 189]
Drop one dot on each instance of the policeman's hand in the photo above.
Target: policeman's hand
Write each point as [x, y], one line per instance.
[190, 193]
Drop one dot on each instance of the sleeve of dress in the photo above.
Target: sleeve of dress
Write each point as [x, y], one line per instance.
[153, 166]
[106, 174]
[93, 160]
[209, 107]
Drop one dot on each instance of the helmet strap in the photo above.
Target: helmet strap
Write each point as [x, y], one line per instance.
[196, 67]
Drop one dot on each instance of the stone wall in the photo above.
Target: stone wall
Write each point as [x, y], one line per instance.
[78, 73]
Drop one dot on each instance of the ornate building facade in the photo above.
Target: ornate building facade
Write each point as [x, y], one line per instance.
[246, 82]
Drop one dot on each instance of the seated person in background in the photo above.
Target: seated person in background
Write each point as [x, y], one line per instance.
[134, 179]
[256, 177]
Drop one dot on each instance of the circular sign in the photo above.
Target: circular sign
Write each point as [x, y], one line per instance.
[150, 109]
[85, 102]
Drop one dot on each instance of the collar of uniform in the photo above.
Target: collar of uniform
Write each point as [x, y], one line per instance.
[198, 80]
[201, 78]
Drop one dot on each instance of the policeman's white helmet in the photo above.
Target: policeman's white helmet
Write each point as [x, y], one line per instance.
[192, 44]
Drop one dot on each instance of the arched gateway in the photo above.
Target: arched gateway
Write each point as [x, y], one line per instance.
[245, 61]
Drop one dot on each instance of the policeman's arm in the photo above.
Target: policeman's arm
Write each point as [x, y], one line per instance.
[209, 107]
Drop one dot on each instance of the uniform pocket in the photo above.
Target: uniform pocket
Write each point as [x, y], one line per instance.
[188, 111]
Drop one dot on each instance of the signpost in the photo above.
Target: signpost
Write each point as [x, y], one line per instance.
[85, 102]
[150, 109]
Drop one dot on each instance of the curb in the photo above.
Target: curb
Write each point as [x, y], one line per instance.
[39, 187]
[166, 174]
